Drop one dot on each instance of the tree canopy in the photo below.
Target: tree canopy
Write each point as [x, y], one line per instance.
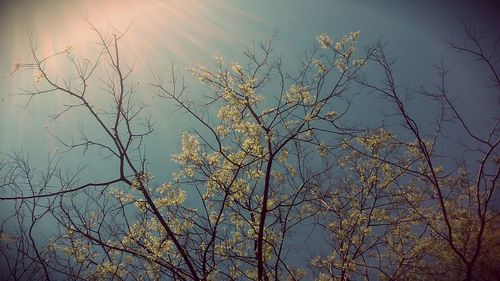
[273, 183]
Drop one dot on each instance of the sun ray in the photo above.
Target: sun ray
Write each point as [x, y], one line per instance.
[160, 32]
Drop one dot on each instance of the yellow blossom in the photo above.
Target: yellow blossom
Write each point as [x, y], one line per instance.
[323, 150]
[298, 93]
[255, 174]
[38, 77]
[321, 67]
[324, 41]
[237, 68]
[69, 48]
[190, 150]
[330, 115]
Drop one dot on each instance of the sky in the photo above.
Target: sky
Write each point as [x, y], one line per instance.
[182, 32]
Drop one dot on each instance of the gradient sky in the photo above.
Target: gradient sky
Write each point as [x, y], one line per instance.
[187, 31]
[183, 32]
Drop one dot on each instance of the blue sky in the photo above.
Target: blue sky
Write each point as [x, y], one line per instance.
[186, 31]
[183, 32]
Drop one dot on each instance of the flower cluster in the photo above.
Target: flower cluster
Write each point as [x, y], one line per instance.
[324, 41]
[38, 77]
[237, 68]
[141, 179]
[15, 67]
[347, 42]
[345, 48]
[374, 141]
[170, 196]
[331, 115]
[321, 67]
[68, 49]
[297, 94]
[190, 150]
[200, 71]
